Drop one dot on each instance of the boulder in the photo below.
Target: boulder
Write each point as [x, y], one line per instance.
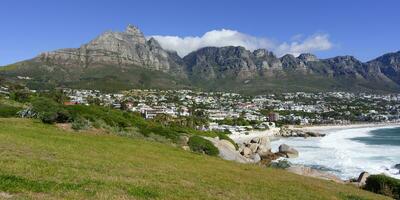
[290, 152]
[186, 148]
[263, 150]
[183, 140]
[228, 144]
[255, 140]
[397, 166]
[227, 151]
[256, 158]
[254, 147]
[307, 171]
[264, 141]
[362, 179]
[246, 152]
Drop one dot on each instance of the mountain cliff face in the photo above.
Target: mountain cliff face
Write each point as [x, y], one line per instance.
[117, 48]
[124, 60]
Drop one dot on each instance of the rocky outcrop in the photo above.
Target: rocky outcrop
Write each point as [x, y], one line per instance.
[307, 171]
[362, 178]
[227, 151]
[286, 132]
[118, 49]
[257, 147]
[288, 151]
[397, 166]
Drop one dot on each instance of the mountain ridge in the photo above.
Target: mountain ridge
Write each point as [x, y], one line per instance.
[124, 60]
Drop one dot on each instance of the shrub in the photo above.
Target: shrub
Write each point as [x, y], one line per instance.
[201, 145]
[80, 124]
[49, 111]
[385, 185]
[8, 111]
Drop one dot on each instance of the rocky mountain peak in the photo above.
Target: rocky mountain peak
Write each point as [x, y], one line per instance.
[133, 30]
[307, 57]
[258, 53]
[153, 44]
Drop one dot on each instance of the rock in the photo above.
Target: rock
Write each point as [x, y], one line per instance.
[256, 158]
[307, 171]
[186, 148]
[255, 140]
[281, 164]
[254, 147]
[246, 152]
[183, 140]
[290, 152]
[228, 144]
[263, 150]
[228, 152]
[264, 141]
[362, 179]
[397, 166]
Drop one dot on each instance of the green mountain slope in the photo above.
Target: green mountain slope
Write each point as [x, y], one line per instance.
[43, 162]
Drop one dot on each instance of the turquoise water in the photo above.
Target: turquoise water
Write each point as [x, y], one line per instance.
[390, 136]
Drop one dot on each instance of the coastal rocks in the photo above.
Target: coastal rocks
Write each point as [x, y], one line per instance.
[286, 132]
[362, 179]
[307, 171]
[397, 166]
[288, 151]
[255, 148]
[227, 151]
[246, 152]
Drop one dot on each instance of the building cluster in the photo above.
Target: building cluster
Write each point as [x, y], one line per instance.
[234, 112]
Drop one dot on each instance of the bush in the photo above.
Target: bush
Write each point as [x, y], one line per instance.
[385, 185]
[8, 111]
[49, 111]
[201, 145]
[80, 124]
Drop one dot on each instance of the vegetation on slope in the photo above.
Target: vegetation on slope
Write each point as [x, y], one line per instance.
[40, 161]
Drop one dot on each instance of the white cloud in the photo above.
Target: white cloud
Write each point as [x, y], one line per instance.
[317, 42]
[226, 37]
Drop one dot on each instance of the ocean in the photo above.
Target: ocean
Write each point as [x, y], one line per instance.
[348, 152]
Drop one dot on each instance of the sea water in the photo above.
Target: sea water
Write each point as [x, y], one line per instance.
[348, 152]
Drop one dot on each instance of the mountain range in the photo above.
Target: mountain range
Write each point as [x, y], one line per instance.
[125, 60]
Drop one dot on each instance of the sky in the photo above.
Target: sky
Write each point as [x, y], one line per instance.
[365, 29]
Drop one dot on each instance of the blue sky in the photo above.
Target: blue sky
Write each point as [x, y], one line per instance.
[365, 29]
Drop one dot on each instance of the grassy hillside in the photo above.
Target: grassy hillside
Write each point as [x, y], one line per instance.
[41, 161]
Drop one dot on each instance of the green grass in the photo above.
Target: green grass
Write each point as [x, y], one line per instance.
[39, 161]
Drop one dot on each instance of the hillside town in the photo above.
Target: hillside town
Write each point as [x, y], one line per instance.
[237, 113]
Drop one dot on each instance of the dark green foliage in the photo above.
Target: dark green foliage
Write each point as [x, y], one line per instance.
[8, 111]
[201, 145]
[49, 111]
[385, 185]
[111, 117]
[282, 164]
[21, 95]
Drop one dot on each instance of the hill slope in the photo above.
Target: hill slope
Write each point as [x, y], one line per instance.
[43, 162]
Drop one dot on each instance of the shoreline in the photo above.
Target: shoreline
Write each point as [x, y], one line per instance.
[331, 128]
